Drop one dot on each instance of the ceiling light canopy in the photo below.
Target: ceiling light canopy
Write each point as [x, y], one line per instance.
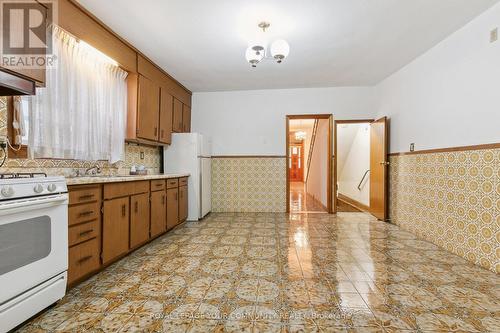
[257, 51]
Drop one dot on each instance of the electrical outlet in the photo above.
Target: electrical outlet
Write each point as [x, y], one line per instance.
[412, 147]
[141, 154]
[494, 35]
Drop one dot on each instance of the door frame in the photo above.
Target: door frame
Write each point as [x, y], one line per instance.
[329, 189]
[335, 139]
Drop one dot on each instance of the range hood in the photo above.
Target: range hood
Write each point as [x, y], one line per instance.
[13, 85]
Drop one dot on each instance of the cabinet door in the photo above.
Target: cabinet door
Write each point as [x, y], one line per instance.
[166, 110]
[115, 228]
[183, 203]
[186, 118]
[148, 109]
[139, 219]
[158, 213]
[172, 207]
[177, 117]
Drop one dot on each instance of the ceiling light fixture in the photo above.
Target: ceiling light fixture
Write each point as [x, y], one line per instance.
[300, 135]
[257, 51]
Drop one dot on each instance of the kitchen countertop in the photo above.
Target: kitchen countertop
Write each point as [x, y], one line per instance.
[117, 179]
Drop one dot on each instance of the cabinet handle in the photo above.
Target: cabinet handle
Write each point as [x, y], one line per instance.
[181, 195]
[84, 259]
[83, 233]
[156, 131]
[158, 185]
[163, 200]
[136, 206]
[176, 196]
[123, 210]
[162, 133]
[86, 196]
[86, 213]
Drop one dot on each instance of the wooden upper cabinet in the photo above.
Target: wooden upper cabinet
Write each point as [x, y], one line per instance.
[186, 118]
[166, 112]
[177, 117]
[148, 110]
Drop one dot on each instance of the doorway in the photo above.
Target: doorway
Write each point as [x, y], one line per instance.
[309, 170]
[360, 170]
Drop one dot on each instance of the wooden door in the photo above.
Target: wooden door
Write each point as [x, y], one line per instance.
[177, 116]
[296, 163]
[158, 213]
[172, 207]
[183, 203]
[139, 219]
[166, 110]
[115, 228]
[148, 109]
[378, 168]
[186, 118]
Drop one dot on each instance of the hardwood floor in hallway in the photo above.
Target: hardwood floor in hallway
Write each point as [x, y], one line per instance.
[301, 201]
[275, 272]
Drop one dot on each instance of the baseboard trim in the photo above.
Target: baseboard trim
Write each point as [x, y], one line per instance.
[248, 156]
[354, 203]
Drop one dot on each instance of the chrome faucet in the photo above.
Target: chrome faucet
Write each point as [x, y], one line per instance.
[96, 169]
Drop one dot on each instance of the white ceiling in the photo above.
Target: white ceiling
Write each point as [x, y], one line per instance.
[333, 42]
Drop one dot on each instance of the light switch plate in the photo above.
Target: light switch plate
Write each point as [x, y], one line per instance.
[412, 147]
[141, 154]
[494, 35]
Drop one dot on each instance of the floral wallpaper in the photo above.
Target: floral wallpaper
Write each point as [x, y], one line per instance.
[451, 199]
[133, 152]
[249, 184]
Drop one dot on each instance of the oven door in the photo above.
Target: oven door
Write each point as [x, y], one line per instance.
[33, 242]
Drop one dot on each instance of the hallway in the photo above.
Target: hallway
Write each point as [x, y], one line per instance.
[301, 201]
[243, 272]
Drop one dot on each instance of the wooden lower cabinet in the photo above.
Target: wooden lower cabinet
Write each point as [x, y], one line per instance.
[139, 219]
[183, 203]
[83, 259]
[172, 207]
[158, 213]
[115, 228]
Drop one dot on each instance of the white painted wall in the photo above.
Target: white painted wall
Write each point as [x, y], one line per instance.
[318, 171]
[449, 96]
[253, 122]
[354, 160]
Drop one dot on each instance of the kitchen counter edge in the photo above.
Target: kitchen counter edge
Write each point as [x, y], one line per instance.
[120, 179]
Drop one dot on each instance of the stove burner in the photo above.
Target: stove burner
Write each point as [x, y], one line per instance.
[12, 175]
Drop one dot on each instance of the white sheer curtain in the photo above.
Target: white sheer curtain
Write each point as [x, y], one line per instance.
[81, 113]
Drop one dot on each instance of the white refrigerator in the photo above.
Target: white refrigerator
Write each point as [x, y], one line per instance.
[192, 152]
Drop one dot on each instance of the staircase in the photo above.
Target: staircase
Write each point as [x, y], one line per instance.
[311, 147]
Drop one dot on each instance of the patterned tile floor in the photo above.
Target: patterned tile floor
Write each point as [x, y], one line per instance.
[283, 273]
[301, 201]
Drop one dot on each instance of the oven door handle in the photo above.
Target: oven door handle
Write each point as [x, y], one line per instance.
[31, 204]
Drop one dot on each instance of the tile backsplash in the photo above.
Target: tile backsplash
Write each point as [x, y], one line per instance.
[133, 152]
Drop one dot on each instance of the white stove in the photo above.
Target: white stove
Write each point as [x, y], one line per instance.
[33, 245]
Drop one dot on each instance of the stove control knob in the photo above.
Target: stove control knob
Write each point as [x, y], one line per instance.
[51, 187]
[38, 188]
[7, 191]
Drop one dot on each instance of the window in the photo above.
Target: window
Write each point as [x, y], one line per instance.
[81, 113]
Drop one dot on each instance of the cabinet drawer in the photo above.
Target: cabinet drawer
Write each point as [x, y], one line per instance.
[83, 213]
[117, 190]
[172, 183]
[83, 232]
[83, 259]
[84, 194]
[157, 185]
[183, 181]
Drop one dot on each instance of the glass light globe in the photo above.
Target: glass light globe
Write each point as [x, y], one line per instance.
[252, 57]
[280, 50]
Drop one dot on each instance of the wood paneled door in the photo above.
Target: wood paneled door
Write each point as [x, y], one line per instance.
[149, 109]
[296, 162]
[139, 219]
[378, 168]
[172, 207]
[158, 213]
